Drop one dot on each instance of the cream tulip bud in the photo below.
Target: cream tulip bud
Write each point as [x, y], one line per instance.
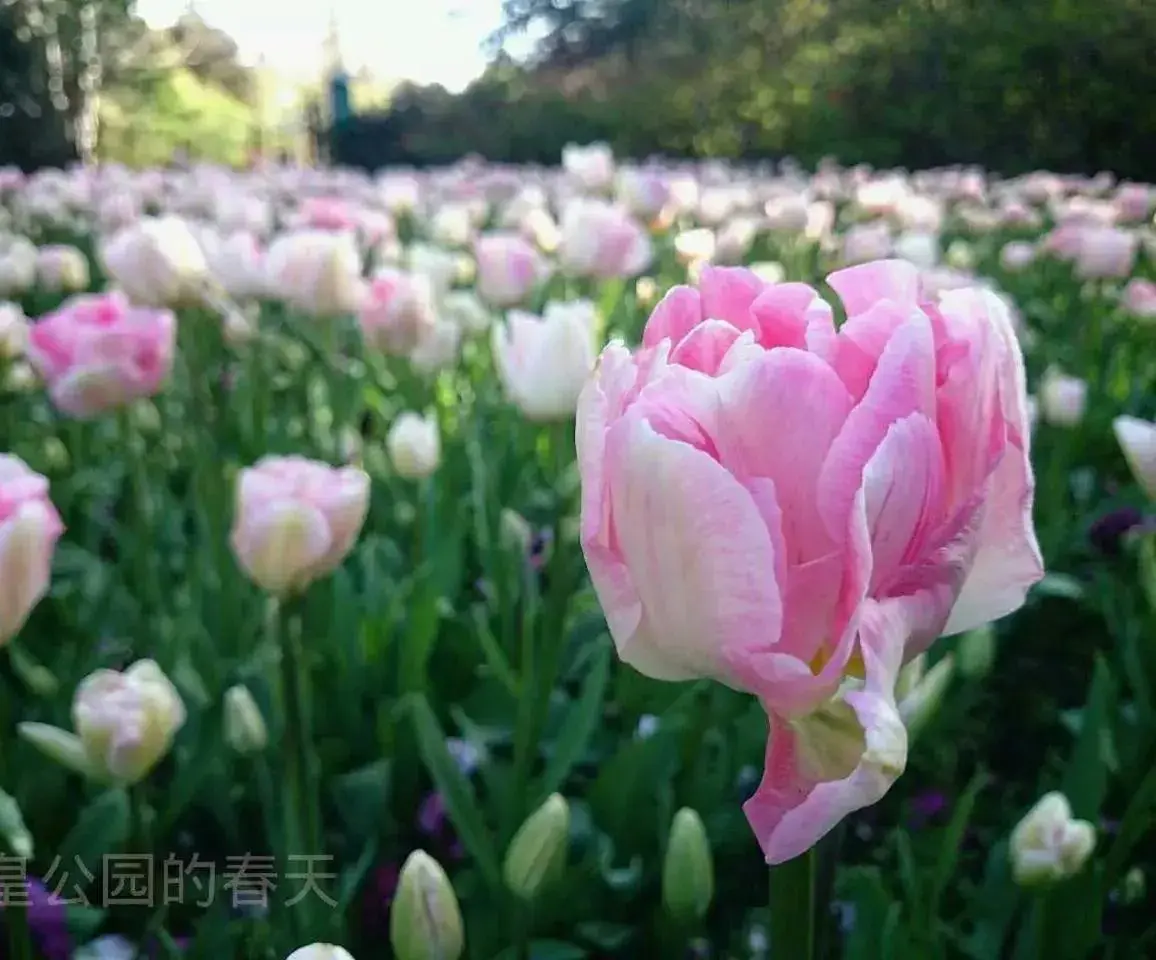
[414, 445]
[245, 730]
[687, 871]
[425, 921]
[1048, 845]
[538, 849]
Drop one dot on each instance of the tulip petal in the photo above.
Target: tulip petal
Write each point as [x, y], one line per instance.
[676, 314]
[26, 541]
[1137, 439]
[281, 542]
[795, 806]
[861, 287]
[705, 347]
[727, 294]
[794, 315]
[704, 582]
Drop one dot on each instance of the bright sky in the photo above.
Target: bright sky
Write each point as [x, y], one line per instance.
[426, 41]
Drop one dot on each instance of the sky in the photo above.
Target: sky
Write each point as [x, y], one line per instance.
[425, 41]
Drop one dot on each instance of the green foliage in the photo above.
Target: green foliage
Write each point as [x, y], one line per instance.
[916, 83]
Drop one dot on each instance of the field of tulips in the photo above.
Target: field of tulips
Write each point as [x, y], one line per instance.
[607, 561]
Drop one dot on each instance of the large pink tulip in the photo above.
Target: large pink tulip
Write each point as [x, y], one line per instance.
[29, 529]
[795, 511]
[97, 352]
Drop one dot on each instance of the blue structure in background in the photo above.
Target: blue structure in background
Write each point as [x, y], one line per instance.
[339, 105]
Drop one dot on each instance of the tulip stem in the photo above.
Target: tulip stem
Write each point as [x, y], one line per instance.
[792, 903]
[302, 833]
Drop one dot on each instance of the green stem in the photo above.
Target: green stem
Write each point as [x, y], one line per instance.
[19, 932]
[792, 903]
[302, 827]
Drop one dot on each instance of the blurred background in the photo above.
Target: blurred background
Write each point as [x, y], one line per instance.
[1064, 84]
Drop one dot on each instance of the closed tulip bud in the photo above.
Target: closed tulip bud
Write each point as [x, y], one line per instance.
[245, 729]
[922, 702]
[320, 951]
[414, 445]
[1137, 438]
[1063, 398]
[425, 921]
[538, 849]
[1048, 845]
[687, 871]
[975, 653]
[125, 724]
[1134, 887]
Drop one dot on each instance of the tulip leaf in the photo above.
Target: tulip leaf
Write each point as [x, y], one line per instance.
[1134, 825]
[457, 793]
[952, 840]
[1086, 777]
[101, 828]
[362, 798]
[996, 906]
[863, 891]
[579, 725]
[12, 828]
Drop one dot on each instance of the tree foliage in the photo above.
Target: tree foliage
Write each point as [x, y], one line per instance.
[1057, 83]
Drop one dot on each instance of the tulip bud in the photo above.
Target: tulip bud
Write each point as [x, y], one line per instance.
[414, 445]
[1063, 398]
[320, 951]
[1048, 845]
[975, 652]
[1137, 438]
[1134, 887]
[245, 729]
[538, 848]
[13, 331]
[922, 702]
[425, 922]
[687, 871]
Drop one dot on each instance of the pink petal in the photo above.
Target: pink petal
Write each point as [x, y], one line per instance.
[705, 347]
[903, 384]
[727, 294]
[861, 287]
[794, 315]
[699, 552]
[676, 314]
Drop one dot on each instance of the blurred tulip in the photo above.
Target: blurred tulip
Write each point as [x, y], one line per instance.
[543, 362]
[157, 262]
[591, 165]
[1063, 398]
[62, 269]
[602, 241]
[397, 311]
[98, 353]
[13, 331]
[124, 722]
[245, 730]
[320, 951]
[316, 272]
[1137, 438]
[414, 445]
[508, 269]
[1048, 845]
[29, 530]
[296, 520]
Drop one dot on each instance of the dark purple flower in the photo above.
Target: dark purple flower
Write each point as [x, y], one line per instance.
[431, 816]
[46, 919]
[925, 807]
[1106, 533]
[378, 897]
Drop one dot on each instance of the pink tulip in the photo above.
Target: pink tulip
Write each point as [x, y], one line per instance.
[603, 241]
[508, 268]
[795, 511]
[29, 529]
[98, 353]
[1105, 252]
[1139, 297]
[296, 520]
[397, 311]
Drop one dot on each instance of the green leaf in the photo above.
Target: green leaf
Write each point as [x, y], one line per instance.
[994, 907]
[864, 888]
[1133, 827]
[555, 950]
[1086, 777]
[457, 793]
[578, 727]
[1060, 585]
[102, 828]
[83, 921]
[362, 798]
[952, 839]
[607, 937]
